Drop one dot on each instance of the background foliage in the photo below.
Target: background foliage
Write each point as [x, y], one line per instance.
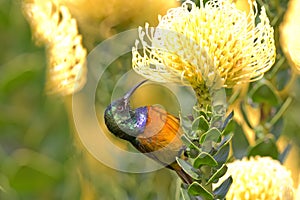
[40, 156]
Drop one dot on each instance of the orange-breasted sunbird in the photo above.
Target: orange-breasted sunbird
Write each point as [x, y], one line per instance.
[150, 129]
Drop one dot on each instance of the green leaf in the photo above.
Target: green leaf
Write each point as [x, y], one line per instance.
[188, 168]
[245, 116]
[282, 77]
[186, 123]
[276, 129]
[221, 191]
[204, 159]
[222, 154]
[240, 143]
[204, 114]
[219, 173]
[223, 149]
[207, 146]
[184, 194]
[200, 123]
[265, 147]
[198, 190]
[219, 101]
[227, 120]
[212, 134]
[197, 113]
[229, 128]
[216, 121]
[225, 140]
[189, 143]
[265, 92]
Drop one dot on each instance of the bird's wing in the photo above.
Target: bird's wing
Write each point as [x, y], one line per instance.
[161, 140]
[161, 136]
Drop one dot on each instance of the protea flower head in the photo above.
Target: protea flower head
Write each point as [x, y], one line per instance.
[212, 46]
[259, 178]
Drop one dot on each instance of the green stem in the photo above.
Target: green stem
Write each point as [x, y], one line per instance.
[203, 96]
[276, 67]
[279, 114]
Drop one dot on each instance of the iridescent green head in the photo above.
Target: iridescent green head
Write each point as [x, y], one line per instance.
[121, 120]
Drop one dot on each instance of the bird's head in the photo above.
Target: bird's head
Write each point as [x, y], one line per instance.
[120, 119]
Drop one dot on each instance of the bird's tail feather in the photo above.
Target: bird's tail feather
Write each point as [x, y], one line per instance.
[184, 176]
[186, 179]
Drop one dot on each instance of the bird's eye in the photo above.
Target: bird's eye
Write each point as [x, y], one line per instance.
[120, 108]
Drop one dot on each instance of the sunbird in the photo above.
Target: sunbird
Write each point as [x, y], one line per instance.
[150, 129]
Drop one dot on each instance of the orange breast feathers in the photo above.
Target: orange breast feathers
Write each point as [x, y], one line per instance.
[162, 134]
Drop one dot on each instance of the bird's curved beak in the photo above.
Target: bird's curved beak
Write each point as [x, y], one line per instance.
[132, 90]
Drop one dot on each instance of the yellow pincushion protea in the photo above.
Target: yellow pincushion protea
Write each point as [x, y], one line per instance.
[216, 45]
[54, 27]
[259, 178]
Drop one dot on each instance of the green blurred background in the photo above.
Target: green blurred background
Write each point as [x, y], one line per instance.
[40, 155]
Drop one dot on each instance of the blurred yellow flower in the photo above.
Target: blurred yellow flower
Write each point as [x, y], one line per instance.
[53, 26]
[290, 31]
[216, 45]
[259, 178]
[298, 191]
[100, 19]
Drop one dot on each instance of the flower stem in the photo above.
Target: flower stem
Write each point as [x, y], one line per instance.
[203, 96]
